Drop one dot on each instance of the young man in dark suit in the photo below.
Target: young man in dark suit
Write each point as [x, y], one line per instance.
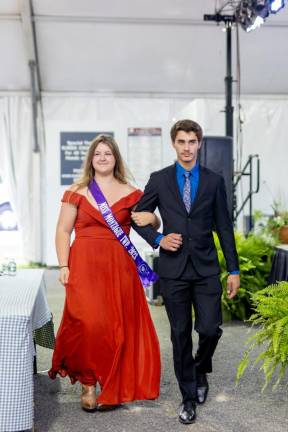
[192, 202]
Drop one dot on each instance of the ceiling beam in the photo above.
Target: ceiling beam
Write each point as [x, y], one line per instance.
[125, 20]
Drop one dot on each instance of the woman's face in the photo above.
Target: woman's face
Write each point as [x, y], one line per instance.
[103, 160]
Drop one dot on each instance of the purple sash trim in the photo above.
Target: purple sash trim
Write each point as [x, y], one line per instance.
[145, 273]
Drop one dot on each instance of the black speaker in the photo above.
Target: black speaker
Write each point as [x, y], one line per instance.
[217, 154]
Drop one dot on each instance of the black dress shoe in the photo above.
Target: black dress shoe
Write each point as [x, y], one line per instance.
[202, 388]
[187, 412]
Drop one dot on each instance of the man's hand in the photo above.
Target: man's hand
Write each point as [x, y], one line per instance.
[233, 285]
[171, 242]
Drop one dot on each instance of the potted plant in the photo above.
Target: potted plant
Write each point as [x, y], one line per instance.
[279, 223]
[275, 227]
[283, 231]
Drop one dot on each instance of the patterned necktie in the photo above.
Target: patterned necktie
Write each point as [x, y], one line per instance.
[187, 191]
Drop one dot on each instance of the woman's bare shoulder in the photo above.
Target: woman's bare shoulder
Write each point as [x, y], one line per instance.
[130, 188]
[79, 189]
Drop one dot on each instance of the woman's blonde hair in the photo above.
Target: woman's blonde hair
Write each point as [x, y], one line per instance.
[120, 171]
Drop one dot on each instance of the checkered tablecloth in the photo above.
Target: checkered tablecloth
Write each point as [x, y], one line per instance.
[23, 309]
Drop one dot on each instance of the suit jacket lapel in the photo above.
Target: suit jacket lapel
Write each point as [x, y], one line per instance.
[173, 186]
[200, 188]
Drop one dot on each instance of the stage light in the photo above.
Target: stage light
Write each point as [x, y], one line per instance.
[251, 14]
[276, 5]
[260, 4]
[261, 8]
[256, 24]
[245, 15]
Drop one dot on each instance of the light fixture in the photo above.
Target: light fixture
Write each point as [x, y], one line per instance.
[245, 15]
[260, 8]
[260, 4]
[256, 24]
[251, 14]
[276, 5]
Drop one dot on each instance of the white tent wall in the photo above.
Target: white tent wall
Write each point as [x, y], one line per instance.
[19, 168]
[264, 134]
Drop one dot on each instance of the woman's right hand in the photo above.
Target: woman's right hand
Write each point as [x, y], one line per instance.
[64, 275]
[143, 218]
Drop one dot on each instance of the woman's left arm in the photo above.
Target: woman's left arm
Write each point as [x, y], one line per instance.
[145, 218]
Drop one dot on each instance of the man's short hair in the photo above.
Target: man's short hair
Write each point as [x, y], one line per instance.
[186, 126]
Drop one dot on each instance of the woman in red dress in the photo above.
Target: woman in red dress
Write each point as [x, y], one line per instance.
[106, 335]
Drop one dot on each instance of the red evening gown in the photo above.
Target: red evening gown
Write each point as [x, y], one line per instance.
[106, 335]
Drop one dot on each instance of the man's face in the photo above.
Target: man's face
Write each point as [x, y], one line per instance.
[187, 146]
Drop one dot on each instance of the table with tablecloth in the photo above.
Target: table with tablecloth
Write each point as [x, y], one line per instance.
[23, 309]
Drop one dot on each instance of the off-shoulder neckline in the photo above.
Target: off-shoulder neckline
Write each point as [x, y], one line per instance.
[116, 202]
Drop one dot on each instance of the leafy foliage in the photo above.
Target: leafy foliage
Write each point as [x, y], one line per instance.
[271, 314]
[255, 256]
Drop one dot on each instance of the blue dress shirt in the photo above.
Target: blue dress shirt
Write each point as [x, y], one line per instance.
[194, 179]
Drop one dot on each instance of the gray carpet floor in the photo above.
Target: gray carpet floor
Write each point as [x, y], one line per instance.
[228, 408]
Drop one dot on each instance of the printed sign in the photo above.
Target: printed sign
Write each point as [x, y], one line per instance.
[144, 153]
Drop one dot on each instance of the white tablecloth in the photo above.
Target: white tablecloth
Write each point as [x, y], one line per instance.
[23, 308]
[283, 247]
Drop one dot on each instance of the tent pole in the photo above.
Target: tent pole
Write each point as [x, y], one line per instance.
[37, 205]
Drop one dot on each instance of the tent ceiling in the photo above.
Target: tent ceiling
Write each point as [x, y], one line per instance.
[135, 46]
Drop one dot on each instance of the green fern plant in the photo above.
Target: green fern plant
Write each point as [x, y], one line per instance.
[255, 256]
[271, 314]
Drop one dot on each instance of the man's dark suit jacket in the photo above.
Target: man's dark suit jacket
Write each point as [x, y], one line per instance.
[208, 212]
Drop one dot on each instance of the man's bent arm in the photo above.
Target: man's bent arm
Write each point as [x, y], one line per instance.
[148, 202]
